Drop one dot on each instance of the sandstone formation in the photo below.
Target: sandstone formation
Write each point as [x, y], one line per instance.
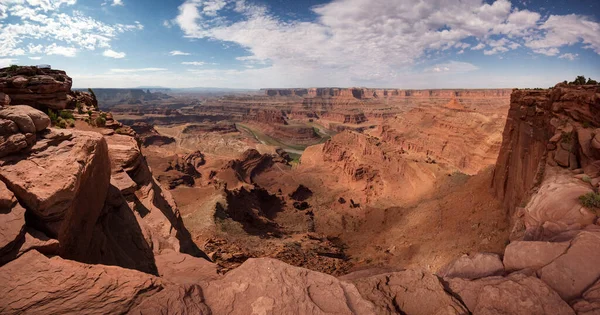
[40, 88]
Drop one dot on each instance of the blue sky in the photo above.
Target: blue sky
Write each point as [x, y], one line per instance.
[304, 43]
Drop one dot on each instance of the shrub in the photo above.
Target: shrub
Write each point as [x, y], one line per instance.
[591, 82]
[65, 114]
[590, 200]
[103, 115]
[53, 116]
[580, 80]
[71, 123]
[79, 107]
[89, 112]
[61, 123]
[13, 68]
[100, 121]
[587, 179]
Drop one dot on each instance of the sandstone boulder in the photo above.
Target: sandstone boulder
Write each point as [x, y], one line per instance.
[35, 284]
[514, 294]
[556, 207]
[185, 269]
[63, 181]
[589, 304]
[474, 266]
[12, 222]
[577, 269]
[4, 99]
[174, 300]
[532, 255]
[269, 286]
[408, 292]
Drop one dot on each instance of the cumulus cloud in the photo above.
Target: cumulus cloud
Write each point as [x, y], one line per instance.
[569, 56]
[5, 62]
[43, 20]
[561, 30]
[133, 70]
[378, 40]
[453, 67]
[55, 49]
[117, 2]
[113, 54]
[178, 53]
[194, 63]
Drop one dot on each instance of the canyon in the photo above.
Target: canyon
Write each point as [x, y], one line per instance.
[297, 201]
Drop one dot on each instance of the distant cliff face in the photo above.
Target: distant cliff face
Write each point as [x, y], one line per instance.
[109, 97]
[363, 93]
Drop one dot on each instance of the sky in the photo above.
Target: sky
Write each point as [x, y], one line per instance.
[406, 44]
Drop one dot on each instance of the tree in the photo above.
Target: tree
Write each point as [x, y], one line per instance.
[580, 80]
[591, 82]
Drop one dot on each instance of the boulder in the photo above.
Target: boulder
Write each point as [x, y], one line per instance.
[21, 118]
[408, 292]
[589, 304]
[180, 300]
[474, 266]
[516, 294]
[4, 99]
[532, 255]
[63, 181]
[269, 286]
[577, 269]
[12, 222]
[35, 284]
[39, 118]
[185, 269]
[556, 207]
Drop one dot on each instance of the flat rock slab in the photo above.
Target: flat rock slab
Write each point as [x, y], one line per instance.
[474, 266]
[408, 292]
[35, 284]
[532, 255]
[516, 294]
[577, 269]
[269, 286]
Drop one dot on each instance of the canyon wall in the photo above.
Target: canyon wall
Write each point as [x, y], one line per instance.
[364, 93]
[535, 117]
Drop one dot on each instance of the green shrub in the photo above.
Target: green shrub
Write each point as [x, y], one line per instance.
[53, 116]
[587, 179]
[89, 112]
[590, 200]
[13, 68]
[61, 123]
[103, 115]
[79, 107]
[66, 114]
[100, 122]
[71, 123]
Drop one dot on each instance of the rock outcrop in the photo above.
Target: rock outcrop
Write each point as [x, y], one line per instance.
[37, 87]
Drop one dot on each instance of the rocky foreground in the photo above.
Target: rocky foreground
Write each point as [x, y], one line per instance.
[86, 229]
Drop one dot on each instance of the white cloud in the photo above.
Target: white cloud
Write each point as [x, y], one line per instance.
[113, 54]
[453, 67]
[371, 41]
[569, 56]
[55, 49]
[479, 46]
[194, 63]
[167, 24]
[547, 51]
[117, 2]
[131, 70]
[5, 62]
[41, 20]
[35, 58]
[179, 53]
[561, 30]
